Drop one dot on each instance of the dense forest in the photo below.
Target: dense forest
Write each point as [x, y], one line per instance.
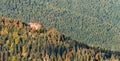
[93, 22]
[19, 42]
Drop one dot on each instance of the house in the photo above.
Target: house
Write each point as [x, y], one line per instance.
[35, 25]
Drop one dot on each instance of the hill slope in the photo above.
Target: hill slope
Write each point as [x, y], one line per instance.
[18, 42]
[91, 21]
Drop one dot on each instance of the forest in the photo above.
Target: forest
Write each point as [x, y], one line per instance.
[90, 22]
[19, 42]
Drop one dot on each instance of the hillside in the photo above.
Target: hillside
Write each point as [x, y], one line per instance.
[18, 42]
[91, 21]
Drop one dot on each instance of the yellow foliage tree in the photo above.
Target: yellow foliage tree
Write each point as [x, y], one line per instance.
[13, 58]
[24, 53]
[4, 31]
[17, 40]
[23, 49]
[15, 35]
